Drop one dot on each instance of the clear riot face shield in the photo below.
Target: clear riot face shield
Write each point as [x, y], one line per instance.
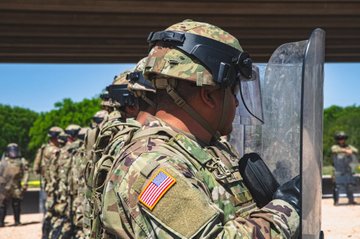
[249, 97]
[290, 140]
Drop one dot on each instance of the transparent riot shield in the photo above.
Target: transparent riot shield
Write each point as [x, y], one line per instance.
[290, 140]
[312, 133]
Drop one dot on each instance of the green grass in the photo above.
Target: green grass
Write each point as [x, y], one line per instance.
[328, 170]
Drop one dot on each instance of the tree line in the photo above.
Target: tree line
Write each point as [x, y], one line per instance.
[29, 129]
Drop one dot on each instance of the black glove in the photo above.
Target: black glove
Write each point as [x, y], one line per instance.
[258, 178]
[290, 193]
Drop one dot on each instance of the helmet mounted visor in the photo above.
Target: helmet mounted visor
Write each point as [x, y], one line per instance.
[228, 66]
[121, 94]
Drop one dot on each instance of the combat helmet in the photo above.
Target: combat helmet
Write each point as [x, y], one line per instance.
[54, 131]
[106, 102]
[72, 130]
[82, 133]
[203, 54]
[140, 86]
[62, 138]
[340, 135]
[197, 52]
[99, 116]
[12, 151]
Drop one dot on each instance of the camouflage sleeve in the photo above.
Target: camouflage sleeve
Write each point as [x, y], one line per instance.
[185, 208]
[37, 161]
[278, 219]
[25, 166]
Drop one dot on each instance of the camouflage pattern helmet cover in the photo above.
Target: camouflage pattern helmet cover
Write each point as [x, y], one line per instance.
[137, 82]
[170, 62]
[119, 91]
[105, 99]
[340, 135]
[72, 130]
[54, 131]
[99, 116]
[83, 131]
[121, 78]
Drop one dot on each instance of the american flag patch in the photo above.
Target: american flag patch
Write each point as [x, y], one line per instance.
[156, 188]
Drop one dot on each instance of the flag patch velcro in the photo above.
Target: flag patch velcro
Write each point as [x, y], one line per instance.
[159, 184]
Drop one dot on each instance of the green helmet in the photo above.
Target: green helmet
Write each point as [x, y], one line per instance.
[197, 52]
[340, 135]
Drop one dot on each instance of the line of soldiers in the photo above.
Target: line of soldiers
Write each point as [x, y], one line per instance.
[156, 166]
[13, 172]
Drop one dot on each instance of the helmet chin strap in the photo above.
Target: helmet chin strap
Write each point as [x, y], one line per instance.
[179, 101]
[225, 109]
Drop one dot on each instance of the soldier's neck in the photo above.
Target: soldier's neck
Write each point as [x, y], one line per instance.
[184, 122]
[142, 116]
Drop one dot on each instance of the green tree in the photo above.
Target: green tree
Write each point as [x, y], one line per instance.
[66, 112]
[15, 123]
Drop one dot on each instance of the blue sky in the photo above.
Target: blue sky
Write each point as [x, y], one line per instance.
[39, 86]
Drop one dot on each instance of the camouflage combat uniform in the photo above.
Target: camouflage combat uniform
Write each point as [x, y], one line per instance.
[111, 136]
[13, 171]
[205, 199]
[42, 164]
[52, 186]
[109, 142]
[78, 187]
[89, 154]
[62, 223]
[168, 184]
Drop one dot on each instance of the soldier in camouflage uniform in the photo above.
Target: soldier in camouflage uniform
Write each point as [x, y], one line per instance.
[343, 155]
[42, 162]
[63, 222]
[52, 186]
[78, 185]
[100, 118]
[13, 171]
[120, 124]
[80, 160]
[174, 178]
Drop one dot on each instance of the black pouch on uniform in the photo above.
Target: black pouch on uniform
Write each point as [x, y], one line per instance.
[258, 178]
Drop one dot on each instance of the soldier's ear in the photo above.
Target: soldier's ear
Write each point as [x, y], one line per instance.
[208, 96]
